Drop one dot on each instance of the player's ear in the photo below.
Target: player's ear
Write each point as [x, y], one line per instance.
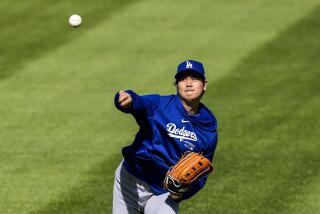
[205, 85]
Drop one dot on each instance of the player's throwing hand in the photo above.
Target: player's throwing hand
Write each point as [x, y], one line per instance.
[125, 99]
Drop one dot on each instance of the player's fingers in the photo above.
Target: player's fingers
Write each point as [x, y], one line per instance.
[122, 96]
[126, 103]
[125, 100]
[121, 92]
[121, 99]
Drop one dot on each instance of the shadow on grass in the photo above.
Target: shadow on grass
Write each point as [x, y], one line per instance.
[37, 27]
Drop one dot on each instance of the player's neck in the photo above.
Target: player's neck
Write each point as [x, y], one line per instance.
[191, 107]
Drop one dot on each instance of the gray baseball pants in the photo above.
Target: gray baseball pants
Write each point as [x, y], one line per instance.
[133, 196]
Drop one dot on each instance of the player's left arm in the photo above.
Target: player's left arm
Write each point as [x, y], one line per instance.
[197, 185]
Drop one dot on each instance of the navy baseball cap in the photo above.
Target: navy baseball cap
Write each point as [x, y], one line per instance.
[190, 66]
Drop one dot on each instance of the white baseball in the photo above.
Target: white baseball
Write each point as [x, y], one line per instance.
[75, 20]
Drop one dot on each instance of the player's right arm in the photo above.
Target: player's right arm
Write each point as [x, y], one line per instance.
[139, 106]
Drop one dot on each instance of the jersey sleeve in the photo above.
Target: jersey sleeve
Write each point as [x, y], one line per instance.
[142, 106]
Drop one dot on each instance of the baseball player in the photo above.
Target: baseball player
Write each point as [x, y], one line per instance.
[169, 126]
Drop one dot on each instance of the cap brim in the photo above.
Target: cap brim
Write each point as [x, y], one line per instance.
[189, 71]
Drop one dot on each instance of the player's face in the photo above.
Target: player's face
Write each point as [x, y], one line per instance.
[191, 87]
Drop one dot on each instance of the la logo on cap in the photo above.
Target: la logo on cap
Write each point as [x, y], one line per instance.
[189, 65]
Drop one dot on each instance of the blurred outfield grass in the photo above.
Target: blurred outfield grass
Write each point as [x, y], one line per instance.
[61, 136]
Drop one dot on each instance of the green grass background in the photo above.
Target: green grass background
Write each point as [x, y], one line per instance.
[61, 136]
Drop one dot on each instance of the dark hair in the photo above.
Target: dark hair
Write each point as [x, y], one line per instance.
[186, 74]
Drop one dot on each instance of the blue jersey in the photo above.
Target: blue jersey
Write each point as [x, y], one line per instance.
[166, 132]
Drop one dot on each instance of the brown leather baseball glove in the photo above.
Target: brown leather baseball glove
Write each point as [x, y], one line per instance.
[189, 168]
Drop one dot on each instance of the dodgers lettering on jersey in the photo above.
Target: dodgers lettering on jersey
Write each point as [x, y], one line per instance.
[166, 132]
[181, 134]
